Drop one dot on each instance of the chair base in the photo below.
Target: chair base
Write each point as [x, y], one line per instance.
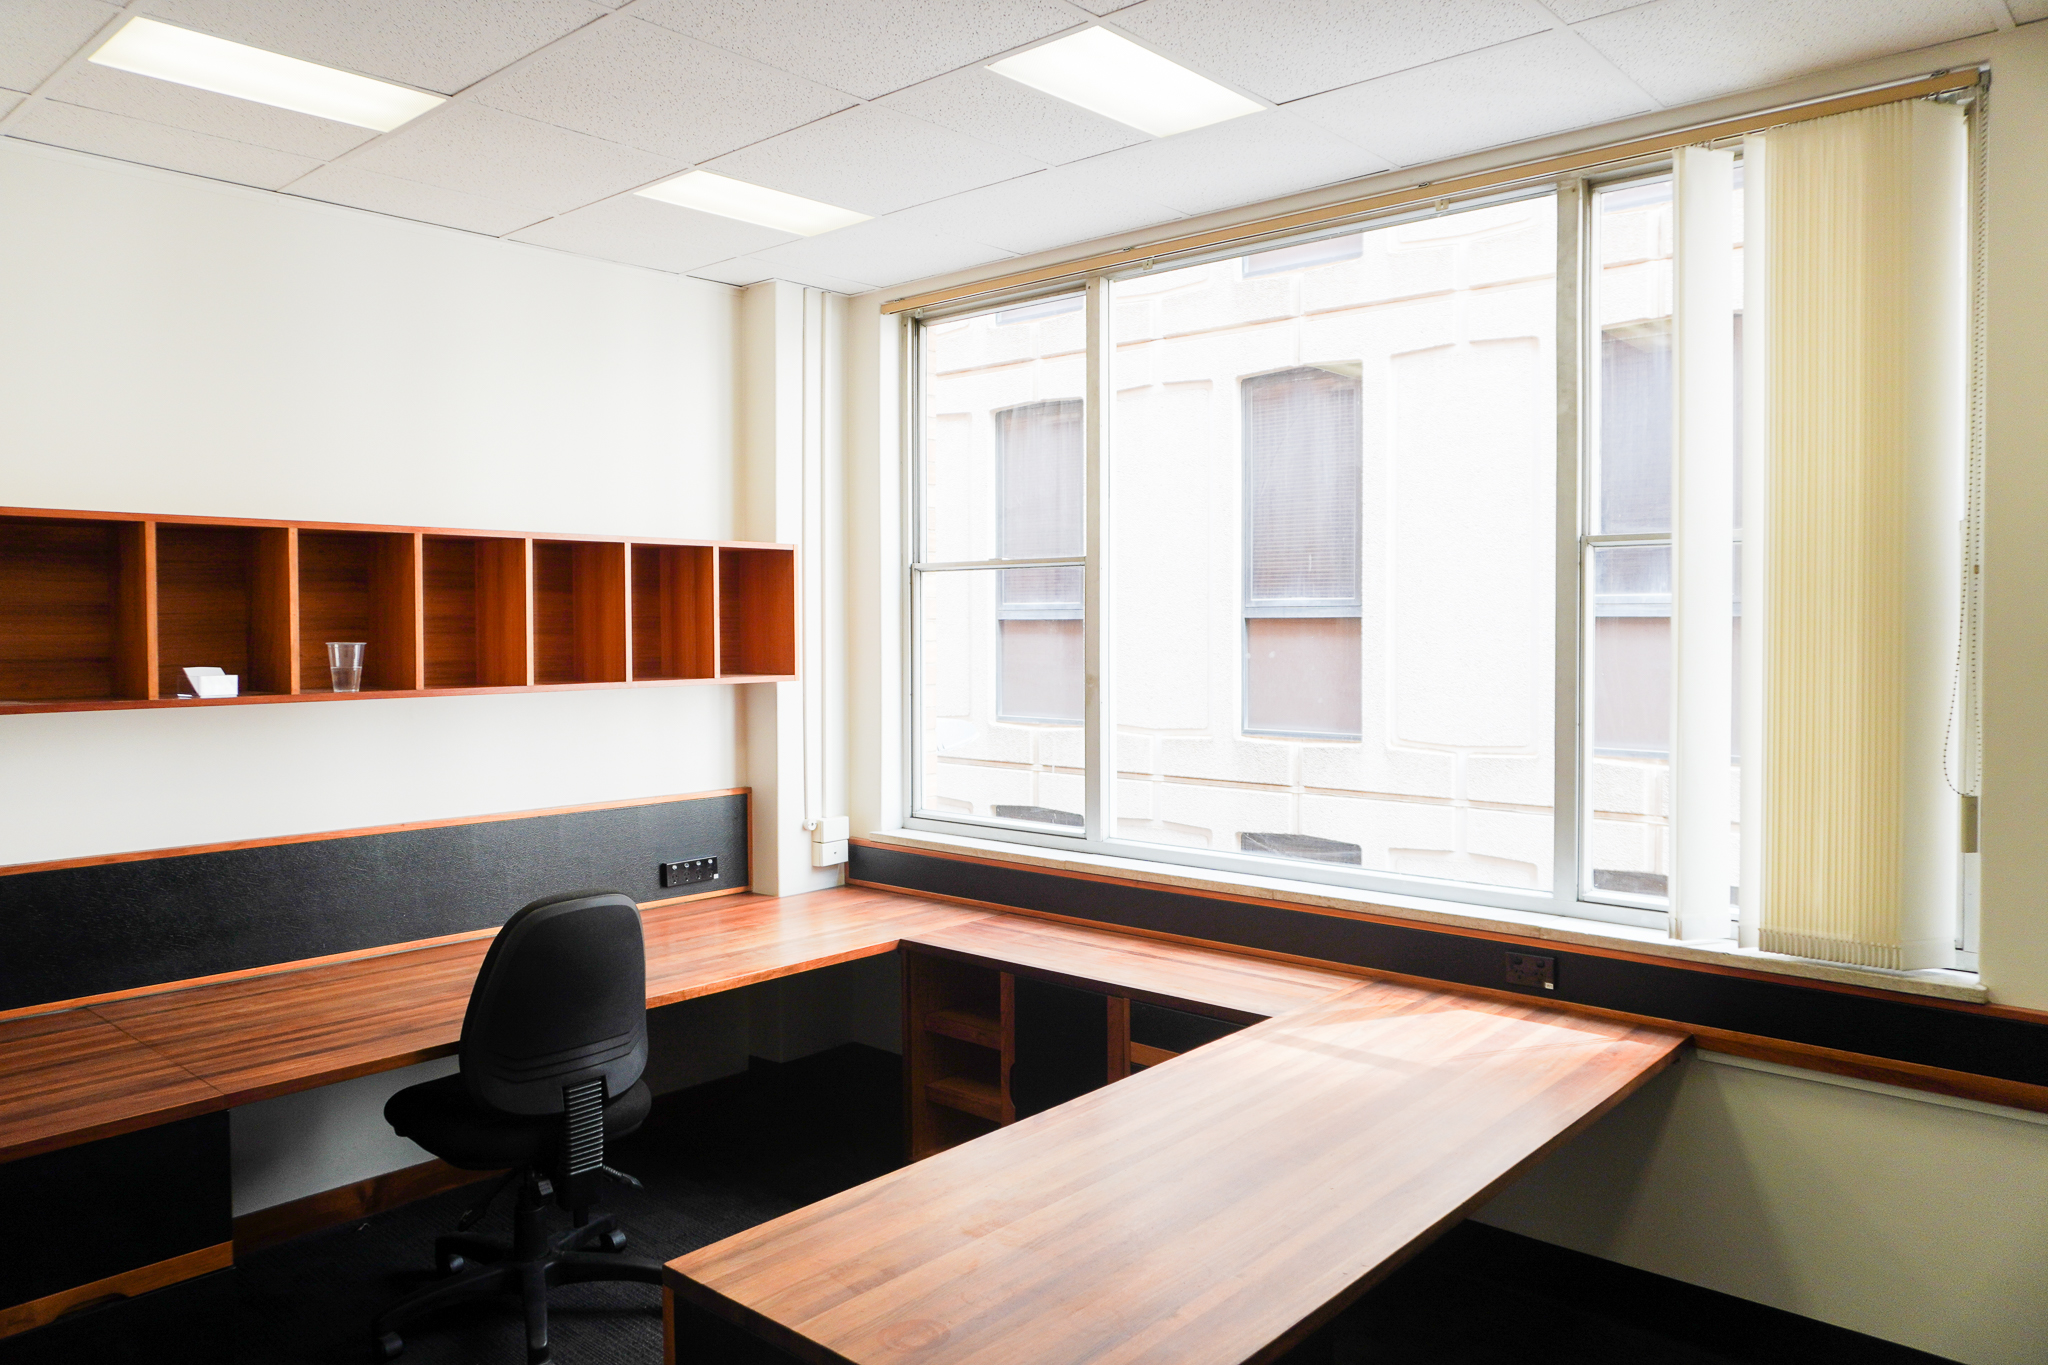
[477, 1268]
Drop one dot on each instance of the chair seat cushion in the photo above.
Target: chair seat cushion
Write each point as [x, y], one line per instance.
[442, 1117]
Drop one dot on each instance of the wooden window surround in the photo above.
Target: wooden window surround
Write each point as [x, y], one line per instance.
[105, 610]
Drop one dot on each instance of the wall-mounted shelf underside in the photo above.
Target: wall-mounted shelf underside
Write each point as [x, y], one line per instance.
[105, 611]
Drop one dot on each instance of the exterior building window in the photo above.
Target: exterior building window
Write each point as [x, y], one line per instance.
[1302, 460]
[1041, 460]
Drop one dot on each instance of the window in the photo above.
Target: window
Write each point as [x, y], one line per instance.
[1391, 591]
[998, 678]
[1302, 459]
[1039, 455]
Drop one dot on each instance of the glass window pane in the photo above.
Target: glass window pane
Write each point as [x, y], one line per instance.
[1301, 676]
[999, 706]
[1629, 769]
[1378, 594]
[1002, 432]
[1632, 307]
[1301, 461]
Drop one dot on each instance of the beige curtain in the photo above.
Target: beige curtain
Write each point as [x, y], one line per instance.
[1863, 313]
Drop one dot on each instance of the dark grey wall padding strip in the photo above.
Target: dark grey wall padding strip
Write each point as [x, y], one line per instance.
[1893, 1027]
[88, 930]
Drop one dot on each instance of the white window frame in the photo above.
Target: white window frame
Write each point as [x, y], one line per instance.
[1566, 897]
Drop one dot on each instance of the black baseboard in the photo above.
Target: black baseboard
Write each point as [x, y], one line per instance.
[1892, 1027]
[81, 931]
[1483, 1294]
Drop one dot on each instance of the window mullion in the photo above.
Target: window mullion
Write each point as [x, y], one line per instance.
[1098, 745]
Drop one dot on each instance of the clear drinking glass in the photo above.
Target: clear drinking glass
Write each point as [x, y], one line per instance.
[345, 664]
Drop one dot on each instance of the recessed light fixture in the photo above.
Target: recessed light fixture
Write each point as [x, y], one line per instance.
[729, 198]
[1112, 76]
[148, 48]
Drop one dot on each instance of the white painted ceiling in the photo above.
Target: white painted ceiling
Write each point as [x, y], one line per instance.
[561, 108]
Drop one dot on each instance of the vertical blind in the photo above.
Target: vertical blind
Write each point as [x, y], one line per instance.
[1865, 312]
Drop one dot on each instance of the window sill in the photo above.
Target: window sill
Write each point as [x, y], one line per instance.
[1938, 984]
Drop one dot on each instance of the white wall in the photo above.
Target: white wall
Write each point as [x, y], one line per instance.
[175, 345]
[1899, 1218]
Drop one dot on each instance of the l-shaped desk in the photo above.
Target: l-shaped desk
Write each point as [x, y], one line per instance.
[1216, 1208]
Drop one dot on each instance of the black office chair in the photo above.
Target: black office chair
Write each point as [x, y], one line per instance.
[553, 1046]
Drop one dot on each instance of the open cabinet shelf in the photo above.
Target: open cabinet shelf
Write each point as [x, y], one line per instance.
[103, 610]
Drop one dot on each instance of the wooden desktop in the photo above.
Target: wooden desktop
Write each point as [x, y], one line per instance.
[1363, 1117]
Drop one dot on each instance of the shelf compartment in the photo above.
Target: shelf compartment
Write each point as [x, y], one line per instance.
[75, 609]
[982, 1099]
[226, 599]
[579, 611]
[675, 612]
[475, 596]
[360, 585]
[756, 612]
[982, 1030]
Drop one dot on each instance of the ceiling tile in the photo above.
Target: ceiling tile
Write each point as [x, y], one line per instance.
[1684, 50]
[979, 103]
[349, 184]
[744, 271]
[2028, 11]
[152, 144]
[880, 252]
[1259, 156]
[38, 36]
[1572, 11]
[1075, 203]
[643, 232]
[202, 111]
[1285, 49]
[651, 88]
[441, 45]
[872, 160]
[502, 156]
[739, 271]
[1105, 6]
[8, 101]
[860, 46]
[1509, 93]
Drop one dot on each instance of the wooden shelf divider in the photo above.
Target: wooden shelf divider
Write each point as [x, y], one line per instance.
[106, 610]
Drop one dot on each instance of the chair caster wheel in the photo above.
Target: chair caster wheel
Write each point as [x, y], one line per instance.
[454, 1263]
[611, 1241]
[390, 1346]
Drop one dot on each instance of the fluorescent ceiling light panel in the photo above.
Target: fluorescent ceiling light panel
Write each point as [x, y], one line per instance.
[729, 198]
[1112, 76]
[148, 48]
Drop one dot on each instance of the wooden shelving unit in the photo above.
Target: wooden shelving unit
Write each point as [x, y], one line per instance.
[959, 1042]
[102, 610]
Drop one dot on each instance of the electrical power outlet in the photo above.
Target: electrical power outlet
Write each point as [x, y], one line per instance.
[1527, 969]
[689, 872]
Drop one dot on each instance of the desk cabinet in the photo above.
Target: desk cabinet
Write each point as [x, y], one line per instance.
[984, 1047]
[114, 1230]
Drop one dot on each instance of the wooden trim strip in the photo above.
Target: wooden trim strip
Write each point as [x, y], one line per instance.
[42, 708]
[23, 1317]
[266, 1228]
[306, 964]
[1430, 191]
[1967, 1085]
[143, 855]
[466, 532]
[1548, 945]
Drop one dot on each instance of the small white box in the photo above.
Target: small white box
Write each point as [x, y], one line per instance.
[211, 682]
[831, 830]
[828, 855]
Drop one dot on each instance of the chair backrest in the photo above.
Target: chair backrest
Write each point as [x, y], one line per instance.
[561, 999]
